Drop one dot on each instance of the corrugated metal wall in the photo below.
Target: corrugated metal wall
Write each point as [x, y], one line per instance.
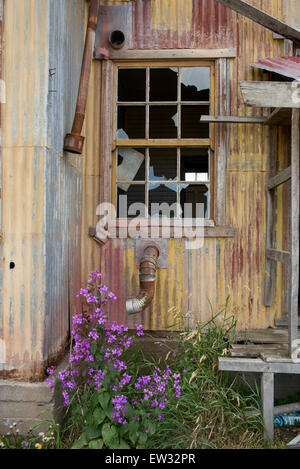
[197, 280]
[41, 219]
[50, 198]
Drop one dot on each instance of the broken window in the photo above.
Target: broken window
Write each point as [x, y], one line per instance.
[162, 148]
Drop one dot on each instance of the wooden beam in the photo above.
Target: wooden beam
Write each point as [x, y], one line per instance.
[234, 119]
[280, 116]
[280, 178]
[270, 265]
[257, 365]
[166, 54]
[271, 93]
[263, 18]
[267, 404]
[279, 256]
[295, 200]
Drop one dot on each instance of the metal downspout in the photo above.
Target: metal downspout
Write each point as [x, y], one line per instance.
[148, 267]
[74, 141]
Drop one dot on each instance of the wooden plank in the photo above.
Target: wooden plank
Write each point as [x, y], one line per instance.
[263, 18]
[264, 336]
[257, 365]
[280, 116]
[267, 403]
[278, 256]
[270, 265]
[271, 93]
[234, 119]
[255, 350]
[164, 142]
[280, 178]
[166, 54]
[286, 408]
[295, 199]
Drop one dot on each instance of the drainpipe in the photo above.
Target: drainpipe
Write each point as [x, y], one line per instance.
[148, 267]
[74, 141]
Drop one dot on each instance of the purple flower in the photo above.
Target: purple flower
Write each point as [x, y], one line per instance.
[25, 444]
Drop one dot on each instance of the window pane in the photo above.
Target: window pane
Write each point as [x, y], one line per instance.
[132, 121]
[163, 164]
[195, 83]
[131, 84]
[194, 165]
[131, 203]
[163, 84]
[131, 165]
[163, 122]
[198, 198]
[161, 200]
[190, 122]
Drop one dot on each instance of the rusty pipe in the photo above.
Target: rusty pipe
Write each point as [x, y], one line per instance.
[74, 141]
[148, 267]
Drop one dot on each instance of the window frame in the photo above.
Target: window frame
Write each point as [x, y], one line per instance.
[222, 58]
[169, 142]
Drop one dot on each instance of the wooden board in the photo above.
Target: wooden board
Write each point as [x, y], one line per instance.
[234, 119]
[256, 350]
[165, 54]
[264, 336]
[271, 93]
[263, 18]
[256, 365]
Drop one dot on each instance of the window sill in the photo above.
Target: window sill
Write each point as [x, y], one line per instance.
[119, 229]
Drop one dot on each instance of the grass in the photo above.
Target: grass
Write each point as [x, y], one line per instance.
[213, 412]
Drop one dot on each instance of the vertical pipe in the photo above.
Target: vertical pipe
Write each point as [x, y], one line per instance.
[74, 141]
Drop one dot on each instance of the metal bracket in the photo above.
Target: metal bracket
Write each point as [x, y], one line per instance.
[141, 244]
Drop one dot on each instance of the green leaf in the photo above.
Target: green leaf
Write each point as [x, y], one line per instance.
[142, 438]
[110, 435]
[104, 399]
[99, 416]
[122, 445]
[92, 432]
[80, 443]
[96, 444]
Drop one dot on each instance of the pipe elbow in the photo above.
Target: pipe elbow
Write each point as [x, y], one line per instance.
[148, 267]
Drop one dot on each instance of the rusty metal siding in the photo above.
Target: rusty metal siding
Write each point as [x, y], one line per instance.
[196, 281]
[41, 215]
[286, 66]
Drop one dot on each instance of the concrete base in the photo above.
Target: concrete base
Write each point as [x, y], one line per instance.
[28, 404]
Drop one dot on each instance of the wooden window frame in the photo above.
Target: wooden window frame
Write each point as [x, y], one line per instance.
[216, 142]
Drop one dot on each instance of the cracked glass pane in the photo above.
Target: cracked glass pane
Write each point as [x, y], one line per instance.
[191, 127]
[162, 122]
[195, 83]
[131, 166]
[132, 121]
[195, 195]
[162, 164]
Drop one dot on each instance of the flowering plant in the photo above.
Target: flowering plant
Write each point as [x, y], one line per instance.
[112, 406]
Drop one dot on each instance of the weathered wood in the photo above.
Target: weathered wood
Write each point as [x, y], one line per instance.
[271, 94]
[270, 265]
[164, 54]
[234, 119]
[286, 408]
[257, 365]
[280, 116]
[164, 142]
[294, 443]
[263, 18]
[264, 336]
[278, 256]
[280, 178]
[255, 350]
[295, 200]
[267, 403]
